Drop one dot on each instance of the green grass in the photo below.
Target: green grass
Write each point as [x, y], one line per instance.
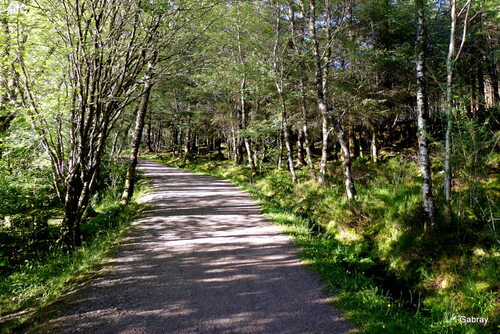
[36, 283]
[373, 255]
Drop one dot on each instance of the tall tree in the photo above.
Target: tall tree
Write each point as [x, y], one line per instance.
[279, 77]
[422, 113]
[296, 38]
[129, 187]
[106, 47]
[322, 64]
[9, 81]
[321, 72]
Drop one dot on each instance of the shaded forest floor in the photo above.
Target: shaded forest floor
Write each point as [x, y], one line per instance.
[35, 270]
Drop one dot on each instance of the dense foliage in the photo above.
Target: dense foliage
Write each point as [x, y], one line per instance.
[384, 115]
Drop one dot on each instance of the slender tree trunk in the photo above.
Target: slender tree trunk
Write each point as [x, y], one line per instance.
[238, 150]
[324, 143]
[128, 192]
[352, 142]
[175, 139]
[280, 147]
[373, 146]
[481, 96]
[7, 82]
[307, 142]
[425, 163]
[300, 149]
[449, 84]
[244, 121]
[218, 146]
[321, 76]
[114, 145]
[286, 134]
[239, 142]
[493, 75]
[320, 82]
[303, 94]
[158, 139]
[347, 162]
[118, 149]
[280, 87]
[237, 146]
[249, 149]
[238, 153]
[194, 143]
[361, 143]
[356, 142]
[289, 151]
[149, 135]
[187, 141]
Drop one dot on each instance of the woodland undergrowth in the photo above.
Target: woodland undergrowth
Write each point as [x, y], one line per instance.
[36, 268]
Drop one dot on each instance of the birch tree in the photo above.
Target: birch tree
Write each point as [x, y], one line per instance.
[322, 64]
[279, 79]
[422, 112]
[297, 44]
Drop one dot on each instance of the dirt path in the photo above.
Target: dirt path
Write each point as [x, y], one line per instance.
[201, 260]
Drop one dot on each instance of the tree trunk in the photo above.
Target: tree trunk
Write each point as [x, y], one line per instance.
[324, 143]
[353, 143]
[356, 143]
[361, 143]
[302, 87]
[321, 76]
[175, 139]
[347, 162]
[194, 143]
[280, 88]
[449, 83]
[149, 135]
[238, 152]
[158, 140]
[300, 149]
[7, 79]
[373, 146]
[280, 148]
[114, 145]
[128, 192]
[72, 218]
[244, 121]
[249, 149]
[187, 141]
[481, 96]
[425, 163]
[493, 79]
[239, 142]
[286, 134]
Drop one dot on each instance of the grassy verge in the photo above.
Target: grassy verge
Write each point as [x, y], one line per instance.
[371, 254]
[37, 283]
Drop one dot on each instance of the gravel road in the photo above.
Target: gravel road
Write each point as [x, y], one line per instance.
[202, 259]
